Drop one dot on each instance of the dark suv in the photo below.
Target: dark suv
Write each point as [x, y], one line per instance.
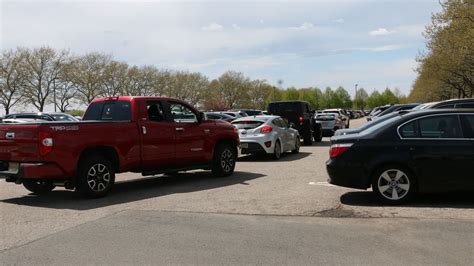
[300, 115]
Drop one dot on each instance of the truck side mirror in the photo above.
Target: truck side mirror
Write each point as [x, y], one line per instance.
[202, 116]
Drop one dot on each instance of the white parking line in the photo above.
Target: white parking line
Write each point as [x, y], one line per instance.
[324, 184]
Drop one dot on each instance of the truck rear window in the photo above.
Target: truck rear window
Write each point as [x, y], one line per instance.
[285, 108]
[109, 111]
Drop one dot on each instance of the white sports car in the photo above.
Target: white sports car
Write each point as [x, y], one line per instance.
[266, 134]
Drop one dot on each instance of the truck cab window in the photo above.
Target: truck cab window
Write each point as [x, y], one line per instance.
[155, 112]
[182, 113]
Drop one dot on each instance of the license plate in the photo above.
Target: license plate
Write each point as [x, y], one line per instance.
[244, 145]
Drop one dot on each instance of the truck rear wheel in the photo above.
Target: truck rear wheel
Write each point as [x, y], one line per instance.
[318, 134]
[225, 156]
[308, 138]
[95, 177]
[38, 186]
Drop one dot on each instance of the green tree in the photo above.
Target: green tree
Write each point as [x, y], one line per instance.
[342, 98]
[360, 99]
[447, 68]
[291, 94]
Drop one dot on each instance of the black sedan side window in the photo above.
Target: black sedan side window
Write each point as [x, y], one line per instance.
[468, 126]
[409, 130]
[443, 126]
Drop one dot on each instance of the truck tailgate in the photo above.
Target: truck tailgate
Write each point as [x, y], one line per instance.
[19, 142]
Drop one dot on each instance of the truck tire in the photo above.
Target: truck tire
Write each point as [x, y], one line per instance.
[95, 177]
[225, 156]
[38, 187]
[308, 138]
[318, 134]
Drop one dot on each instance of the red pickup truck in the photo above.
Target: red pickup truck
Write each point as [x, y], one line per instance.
[148, 135]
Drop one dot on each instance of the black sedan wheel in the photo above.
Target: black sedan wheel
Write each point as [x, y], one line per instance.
[394, 185]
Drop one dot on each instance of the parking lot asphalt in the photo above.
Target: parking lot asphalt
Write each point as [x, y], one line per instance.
[273, 206]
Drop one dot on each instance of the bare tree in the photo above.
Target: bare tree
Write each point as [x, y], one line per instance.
[12, 78]
[89, 76]
[65, 89]
[43, 66]
[189, 86]
[114, 79]
[233, 88]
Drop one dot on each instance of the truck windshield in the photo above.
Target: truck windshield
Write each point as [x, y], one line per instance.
[109, 111]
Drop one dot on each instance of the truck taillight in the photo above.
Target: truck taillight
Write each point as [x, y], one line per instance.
[45, 140]
[338, 149]
[266, 129]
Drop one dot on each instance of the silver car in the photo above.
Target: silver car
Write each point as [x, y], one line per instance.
[330, 123]
[267, 134]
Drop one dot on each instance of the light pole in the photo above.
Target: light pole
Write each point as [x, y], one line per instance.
[54, 94]
[355, 96]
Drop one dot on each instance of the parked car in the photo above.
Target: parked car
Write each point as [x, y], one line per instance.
[455, 103]
[357, 130]
[43, 116]
[235, 115]
[118, 134]
[267, 134]
[219, 116]
[330, 123]
[342, 114]
[299, 113]
[421, 151]
[18, 121]
[394, 108]
[377, 110]
[249, 112]
[424, 106]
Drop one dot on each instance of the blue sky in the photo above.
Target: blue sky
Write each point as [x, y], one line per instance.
[306, 43]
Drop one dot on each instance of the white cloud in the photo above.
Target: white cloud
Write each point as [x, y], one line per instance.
[304, 26]
[339, 20]
[261, 21]
[252, 62]
[213, 27]
[380, 32]
[236, 27]
[390, 47]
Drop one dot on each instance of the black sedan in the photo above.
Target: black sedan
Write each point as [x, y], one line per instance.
[425, 151]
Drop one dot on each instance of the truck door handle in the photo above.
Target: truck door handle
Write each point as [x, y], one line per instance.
[180, 129]
[144, 130]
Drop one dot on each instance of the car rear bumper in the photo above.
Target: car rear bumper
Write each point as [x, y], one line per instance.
[254, 147]
[34, 171]
[346, 175]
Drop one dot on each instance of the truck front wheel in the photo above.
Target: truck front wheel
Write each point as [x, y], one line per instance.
[38, 186]
[223, 163]
[95, 178]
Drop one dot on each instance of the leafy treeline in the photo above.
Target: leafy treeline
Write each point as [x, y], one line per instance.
[42, 76]
[447, 68]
